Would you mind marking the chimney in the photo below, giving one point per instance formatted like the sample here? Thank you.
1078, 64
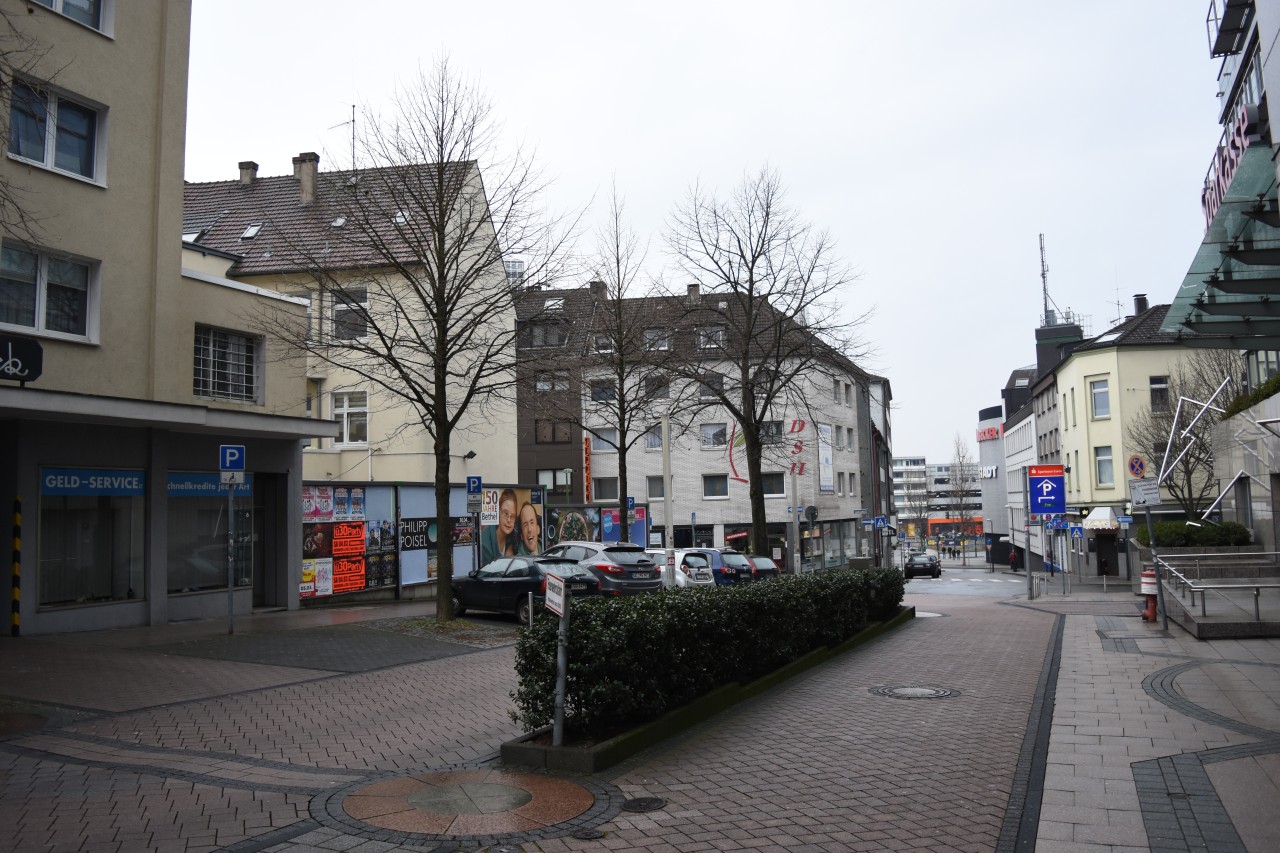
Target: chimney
305, 166
248, 171
597, 289
1140, 303
693, 294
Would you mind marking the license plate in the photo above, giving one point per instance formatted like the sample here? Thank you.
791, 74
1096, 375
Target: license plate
641, 575
577, 587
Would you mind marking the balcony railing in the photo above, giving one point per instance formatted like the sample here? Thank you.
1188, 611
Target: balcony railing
1226, 23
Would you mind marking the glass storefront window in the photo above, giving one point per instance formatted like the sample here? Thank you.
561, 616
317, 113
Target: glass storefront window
90, 538
198, 532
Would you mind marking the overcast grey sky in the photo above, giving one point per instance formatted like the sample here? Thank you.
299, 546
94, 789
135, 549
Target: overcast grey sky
934, 139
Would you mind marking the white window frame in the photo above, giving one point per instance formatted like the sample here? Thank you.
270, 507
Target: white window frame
711, 337
706, 386
91, 306
602, 343
1159, 384
242, 382
653, 437
782, 481
52, 97
596, 489
601, 443
1098, 460
657, 340
648, 484
702, 436
551, 380
606, 388
106, 14
1099, 388
345, 414
708, 477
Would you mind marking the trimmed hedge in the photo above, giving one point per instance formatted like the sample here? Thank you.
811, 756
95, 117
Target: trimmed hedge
634, 658
1247, 401
1178, 534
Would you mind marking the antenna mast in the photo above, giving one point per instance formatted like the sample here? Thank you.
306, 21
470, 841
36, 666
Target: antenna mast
1044, 284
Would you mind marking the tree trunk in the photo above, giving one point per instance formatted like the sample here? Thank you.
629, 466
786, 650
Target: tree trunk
444, 530
759, 543
625, 534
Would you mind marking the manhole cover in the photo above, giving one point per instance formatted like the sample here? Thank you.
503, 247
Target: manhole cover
588, 834
643, 804
915, 692
923, 615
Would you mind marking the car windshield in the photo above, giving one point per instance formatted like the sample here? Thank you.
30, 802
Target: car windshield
736, 561
629, 556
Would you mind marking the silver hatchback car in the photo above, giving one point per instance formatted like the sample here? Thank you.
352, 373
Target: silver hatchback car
692, 568
622, 569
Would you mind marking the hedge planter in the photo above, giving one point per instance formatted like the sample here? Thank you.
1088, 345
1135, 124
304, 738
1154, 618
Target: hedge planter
534, 749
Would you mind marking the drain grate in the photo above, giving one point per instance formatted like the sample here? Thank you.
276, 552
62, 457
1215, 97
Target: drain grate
915, 692
644, 804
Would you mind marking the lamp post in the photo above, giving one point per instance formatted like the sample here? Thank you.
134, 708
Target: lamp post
568, 483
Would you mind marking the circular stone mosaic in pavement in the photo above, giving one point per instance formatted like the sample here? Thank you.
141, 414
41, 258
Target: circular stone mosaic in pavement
468, 802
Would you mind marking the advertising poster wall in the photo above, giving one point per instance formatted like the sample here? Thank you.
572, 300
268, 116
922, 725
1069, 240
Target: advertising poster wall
511, 523
611, 526
593, 524
342, 549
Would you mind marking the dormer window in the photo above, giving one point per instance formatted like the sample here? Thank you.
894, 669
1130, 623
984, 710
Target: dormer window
251, 231
401, 217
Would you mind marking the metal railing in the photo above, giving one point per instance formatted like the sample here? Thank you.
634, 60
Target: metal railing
1185, 585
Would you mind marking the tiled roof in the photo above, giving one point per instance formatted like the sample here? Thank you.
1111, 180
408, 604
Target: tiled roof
294, 236
1139, 330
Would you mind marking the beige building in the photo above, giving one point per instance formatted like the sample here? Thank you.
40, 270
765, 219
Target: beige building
112, 447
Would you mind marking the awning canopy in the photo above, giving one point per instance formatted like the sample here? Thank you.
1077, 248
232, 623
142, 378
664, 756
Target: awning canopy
1101, 518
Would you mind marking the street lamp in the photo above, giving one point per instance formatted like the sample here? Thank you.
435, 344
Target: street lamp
568, 482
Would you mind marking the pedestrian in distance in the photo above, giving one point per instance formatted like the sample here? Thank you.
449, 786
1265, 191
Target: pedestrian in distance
1013, 560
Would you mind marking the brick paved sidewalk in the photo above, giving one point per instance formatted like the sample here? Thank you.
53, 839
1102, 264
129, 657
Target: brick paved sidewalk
1066, 720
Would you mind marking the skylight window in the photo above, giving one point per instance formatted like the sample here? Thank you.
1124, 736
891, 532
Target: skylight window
1109, 336
191, 236
555, 303
251, 231
339, 222
401, 217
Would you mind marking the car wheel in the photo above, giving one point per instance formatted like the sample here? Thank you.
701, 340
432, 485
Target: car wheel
458, 609
522, 610
937, 573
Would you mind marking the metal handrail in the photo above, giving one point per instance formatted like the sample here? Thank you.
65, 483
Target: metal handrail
1184, 585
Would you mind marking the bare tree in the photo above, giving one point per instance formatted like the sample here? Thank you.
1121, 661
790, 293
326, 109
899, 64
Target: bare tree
625, 352
21, 56
772, 312
916, 504
416, 268
1195, 377
964, 483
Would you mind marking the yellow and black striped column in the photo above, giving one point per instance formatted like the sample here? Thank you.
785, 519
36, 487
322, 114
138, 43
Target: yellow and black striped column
16, 626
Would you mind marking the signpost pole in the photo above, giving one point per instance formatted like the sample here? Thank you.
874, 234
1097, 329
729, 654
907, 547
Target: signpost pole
558, 602
668, 501
1026, 530
231, 559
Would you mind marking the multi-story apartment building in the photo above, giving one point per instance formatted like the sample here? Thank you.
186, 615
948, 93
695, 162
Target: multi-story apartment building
911, 495
128, 371
827, 443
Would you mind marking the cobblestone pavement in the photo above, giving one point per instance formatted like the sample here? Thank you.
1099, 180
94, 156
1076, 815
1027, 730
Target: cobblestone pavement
1063, 724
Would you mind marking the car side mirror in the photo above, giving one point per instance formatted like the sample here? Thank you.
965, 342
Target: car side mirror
473, 573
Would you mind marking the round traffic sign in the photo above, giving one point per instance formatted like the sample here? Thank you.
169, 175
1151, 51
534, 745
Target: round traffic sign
1137, 465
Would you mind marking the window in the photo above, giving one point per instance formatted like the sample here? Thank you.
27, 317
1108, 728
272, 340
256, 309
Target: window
350, 314
656, 490
351, 411
835, 390
653, 438
602, 343
715, 435
338, 222
604, 488
1100, 398
657, 339
551, 432
552, 303
251, 230
606, 441
657, 387
226, 365
711, 385
772, 484
715, 485
555, 381
87, 12
840, 483
711, 337
848, 394
771, 432
603, 390
69, 143
1159, 393
548, 334
44, 293
91, 545
1102, 465
555, 480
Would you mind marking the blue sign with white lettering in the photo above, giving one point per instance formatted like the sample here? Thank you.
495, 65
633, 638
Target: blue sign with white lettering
631, 502
92, 481
231, 457
474, 486
195, 484
1048, 495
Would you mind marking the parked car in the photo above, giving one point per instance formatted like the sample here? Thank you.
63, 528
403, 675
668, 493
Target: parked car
763, 568
728, 566
622, 569
504, 585
692, 568
922, 564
